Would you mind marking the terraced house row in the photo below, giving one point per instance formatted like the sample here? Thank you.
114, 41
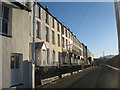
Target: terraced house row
55, 45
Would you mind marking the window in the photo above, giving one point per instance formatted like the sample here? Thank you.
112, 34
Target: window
48, 56
47, 34
53, 37
62, 28
14, 62
53, 23
4, 20
66, 32
69, 45
66, 43
38, 12
38, 31
47, 18
69, 35
63, 45
59, 58
58, 26
80, 53
58, 40
53, 57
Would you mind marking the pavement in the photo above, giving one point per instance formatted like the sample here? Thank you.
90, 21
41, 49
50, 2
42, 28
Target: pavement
95, 77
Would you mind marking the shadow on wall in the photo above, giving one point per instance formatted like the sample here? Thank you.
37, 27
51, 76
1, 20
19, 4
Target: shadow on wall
27, 67
26, 75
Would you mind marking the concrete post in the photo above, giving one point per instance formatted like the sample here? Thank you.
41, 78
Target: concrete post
117, 12
33, 47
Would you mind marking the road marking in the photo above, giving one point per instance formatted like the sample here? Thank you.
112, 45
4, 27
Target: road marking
113, 67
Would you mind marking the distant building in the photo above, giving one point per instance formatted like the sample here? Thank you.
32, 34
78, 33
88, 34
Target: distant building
90, 57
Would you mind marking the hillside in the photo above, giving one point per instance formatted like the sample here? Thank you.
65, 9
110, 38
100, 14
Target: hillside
115, 61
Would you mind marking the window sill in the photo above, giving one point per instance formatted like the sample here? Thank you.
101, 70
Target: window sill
47, 41
38, 37
47, 23
5, 35
38, 17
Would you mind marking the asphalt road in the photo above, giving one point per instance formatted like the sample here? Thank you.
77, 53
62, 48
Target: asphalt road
96, 77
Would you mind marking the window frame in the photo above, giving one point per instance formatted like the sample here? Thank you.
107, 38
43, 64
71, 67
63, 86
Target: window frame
53, 22
38, 30
53, 37
47, 34
66, 32
47, 18
48, 56
54, 57
63, 42
66, 43
59, 40
58, 28
62, 29
8, 32
59, 58
40, 12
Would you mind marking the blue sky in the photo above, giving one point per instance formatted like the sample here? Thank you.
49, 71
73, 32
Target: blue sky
92, 22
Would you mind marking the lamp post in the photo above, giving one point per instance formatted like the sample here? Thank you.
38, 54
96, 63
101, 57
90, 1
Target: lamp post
33, 46
117, 12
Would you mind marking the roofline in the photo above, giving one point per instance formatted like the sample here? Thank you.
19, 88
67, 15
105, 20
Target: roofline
54, 17
59, 22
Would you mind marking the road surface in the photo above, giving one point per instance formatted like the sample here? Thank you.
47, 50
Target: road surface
95, 77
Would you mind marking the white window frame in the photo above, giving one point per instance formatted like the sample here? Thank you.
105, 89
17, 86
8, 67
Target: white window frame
38, 29
1, 19
47, 34
48, 56
59, 40
53, 37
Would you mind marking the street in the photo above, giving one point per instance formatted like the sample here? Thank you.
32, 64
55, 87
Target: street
95, 77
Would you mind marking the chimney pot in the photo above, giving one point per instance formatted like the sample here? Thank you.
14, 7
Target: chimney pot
46, 7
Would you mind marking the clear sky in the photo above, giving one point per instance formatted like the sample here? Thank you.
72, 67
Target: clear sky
92, 22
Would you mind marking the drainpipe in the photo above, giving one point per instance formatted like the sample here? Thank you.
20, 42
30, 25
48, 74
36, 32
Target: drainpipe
33, 47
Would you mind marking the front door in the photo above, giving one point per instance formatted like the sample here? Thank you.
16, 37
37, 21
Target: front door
15, 68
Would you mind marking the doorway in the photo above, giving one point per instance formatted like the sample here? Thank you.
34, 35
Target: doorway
16, 64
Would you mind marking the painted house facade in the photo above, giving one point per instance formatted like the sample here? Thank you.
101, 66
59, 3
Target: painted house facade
15, 36
90, 57
57, 38
48, 32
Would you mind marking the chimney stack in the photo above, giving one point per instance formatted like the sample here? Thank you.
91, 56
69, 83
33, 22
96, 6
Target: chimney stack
46, 7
